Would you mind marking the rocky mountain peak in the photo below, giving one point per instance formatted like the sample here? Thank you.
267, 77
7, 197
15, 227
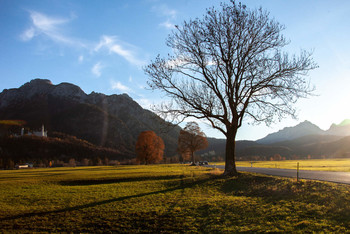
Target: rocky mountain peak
290, 133
106, 120
28, 90
40, 87
306, 128
343, 123
307, 125
342, 129
36, 86
38, 82
68, 90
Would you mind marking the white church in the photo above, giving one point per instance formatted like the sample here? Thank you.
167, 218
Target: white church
41, 133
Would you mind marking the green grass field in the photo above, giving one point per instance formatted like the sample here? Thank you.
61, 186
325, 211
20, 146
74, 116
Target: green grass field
167, 198
310, 164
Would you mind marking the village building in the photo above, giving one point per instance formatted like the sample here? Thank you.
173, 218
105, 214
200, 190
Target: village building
41, 133
24, 166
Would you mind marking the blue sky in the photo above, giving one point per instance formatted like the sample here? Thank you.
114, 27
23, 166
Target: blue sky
102, 46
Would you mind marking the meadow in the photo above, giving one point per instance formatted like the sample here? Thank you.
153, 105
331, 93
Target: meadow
167, 198
340, 164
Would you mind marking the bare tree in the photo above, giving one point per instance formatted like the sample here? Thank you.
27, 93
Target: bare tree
228, 66
191, 139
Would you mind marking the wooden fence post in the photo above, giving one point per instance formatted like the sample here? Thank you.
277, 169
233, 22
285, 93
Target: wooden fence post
297, 171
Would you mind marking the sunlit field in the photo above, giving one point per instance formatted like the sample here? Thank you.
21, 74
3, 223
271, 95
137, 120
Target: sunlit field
167, 198
310, 164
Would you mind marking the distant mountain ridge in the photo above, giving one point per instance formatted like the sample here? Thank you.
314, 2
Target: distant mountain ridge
115, 121
106, 120
304, 129
342, 129
301, 141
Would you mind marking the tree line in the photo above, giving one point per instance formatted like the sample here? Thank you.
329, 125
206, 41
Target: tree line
150, 147
60, 149
65, 150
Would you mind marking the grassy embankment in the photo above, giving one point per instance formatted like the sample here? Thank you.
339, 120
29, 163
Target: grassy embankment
166, 198
310, 164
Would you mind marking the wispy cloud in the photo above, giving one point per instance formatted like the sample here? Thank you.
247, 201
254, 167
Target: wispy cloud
167, 24
164, 11
96, 69
28, 34
51, 27
116, 85
81, 59
144, 102
113, 45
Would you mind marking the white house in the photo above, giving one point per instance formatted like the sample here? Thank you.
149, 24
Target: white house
24, 166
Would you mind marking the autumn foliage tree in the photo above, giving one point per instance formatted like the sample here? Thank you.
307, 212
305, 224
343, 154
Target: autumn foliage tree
191, 139
149, 147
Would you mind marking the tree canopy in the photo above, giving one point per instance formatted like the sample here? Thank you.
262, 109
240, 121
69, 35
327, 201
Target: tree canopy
229, 66
191, 139
149, 147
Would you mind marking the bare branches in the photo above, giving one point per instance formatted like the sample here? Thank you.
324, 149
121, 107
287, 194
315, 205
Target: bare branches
228, 66
228, 63
191, 139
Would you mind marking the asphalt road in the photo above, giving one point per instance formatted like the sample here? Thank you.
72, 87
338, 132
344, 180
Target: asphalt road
337, 177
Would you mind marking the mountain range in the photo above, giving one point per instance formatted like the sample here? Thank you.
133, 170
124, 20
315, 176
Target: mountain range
115, 121
304, 140
306, 128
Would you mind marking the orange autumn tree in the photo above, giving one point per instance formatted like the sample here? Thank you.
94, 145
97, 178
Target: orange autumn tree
191, 139
149, 147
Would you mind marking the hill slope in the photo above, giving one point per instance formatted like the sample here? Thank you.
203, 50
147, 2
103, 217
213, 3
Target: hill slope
112, 121
289, 133
115, 121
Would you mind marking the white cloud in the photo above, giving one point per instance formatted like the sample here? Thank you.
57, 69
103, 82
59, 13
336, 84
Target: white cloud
50, 27
164, 10
119, 86
105, 41
46, 23
96, 69
113, 45
28, 34
179, 61
81, 59
53, 28
167, 24
130, 78
145, 103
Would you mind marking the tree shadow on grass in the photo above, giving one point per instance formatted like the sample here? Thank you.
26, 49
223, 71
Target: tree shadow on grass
116, 180
272, 190
22, 179
268, 188
303, 197
183, 185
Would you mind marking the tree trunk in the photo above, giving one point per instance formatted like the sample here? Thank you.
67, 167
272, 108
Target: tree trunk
193, 162
230, 154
